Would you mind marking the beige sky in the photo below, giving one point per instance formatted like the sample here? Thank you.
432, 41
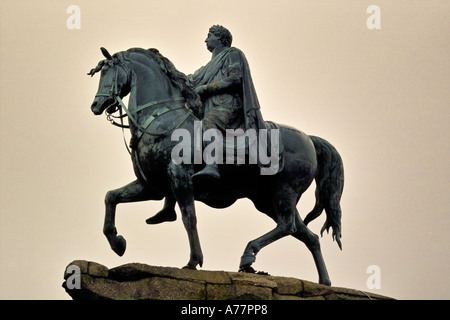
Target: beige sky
381, 97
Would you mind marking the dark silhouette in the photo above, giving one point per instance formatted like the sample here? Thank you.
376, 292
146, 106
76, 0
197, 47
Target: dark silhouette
160, 102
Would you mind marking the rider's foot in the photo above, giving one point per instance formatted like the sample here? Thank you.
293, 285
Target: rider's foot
210, 170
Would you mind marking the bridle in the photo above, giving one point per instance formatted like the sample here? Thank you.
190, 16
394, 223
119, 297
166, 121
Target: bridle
119, 105
113, 94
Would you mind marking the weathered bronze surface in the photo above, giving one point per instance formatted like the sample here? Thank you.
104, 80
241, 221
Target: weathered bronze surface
163, 100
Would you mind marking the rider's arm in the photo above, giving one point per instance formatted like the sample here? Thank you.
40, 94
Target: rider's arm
233, 79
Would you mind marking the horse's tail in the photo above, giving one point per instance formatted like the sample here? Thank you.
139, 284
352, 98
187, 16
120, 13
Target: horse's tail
329, 186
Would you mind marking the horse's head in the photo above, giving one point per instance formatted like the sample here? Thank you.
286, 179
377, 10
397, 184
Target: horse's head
114, 82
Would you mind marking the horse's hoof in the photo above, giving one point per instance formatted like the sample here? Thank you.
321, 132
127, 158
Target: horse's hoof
325, 282
246, 261
119, 245
188, 267
247, 269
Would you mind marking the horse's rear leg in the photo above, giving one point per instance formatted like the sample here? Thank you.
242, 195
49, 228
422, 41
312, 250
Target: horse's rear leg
133, 192
311, 241
285, 218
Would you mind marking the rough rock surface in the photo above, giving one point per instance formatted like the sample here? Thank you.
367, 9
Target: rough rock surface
86, 280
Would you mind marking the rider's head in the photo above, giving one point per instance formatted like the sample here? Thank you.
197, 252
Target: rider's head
223, 34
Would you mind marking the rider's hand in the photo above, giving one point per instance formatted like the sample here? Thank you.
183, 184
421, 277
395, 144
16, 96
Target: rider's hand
200, 90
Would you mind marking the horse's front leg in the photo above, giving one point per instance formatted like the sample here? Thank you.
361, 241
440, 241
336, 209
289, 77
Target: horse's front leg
133, 192
182, 187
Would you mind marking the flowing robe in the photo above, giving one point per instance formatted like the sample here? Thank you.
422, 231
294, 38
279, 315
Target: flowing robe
230, 100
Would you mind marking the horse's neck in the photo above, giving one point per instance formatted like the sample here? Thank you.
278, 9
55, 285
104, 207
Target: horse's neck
150, 84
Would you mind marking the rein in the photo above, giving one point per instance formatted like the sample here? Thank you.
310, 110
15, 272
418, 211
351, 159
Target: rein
142, 130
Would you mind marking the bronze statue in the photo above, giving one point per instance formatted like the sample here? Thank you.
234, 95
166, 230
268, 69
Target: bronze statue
163, 102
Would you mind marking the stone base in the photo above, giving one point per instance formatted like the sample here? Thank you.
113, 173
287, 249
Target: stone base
85, 280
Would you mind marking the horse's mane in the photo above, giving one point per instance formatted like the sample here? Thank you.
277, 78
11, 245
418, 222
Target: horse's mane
177, 78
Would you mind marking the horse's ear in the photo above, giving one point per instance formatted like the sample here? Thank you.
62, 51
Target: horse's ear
106, 53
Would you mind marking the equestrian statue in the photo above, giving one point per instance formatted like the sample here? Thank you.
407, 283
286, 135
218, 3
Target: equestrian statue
177, 124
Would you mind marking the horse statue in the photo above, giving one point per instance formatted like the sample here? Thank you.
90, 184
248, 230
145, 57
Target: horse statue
160, 102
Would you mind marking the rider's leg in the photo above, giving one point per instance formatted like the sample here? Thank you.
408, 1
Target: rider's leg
211, 169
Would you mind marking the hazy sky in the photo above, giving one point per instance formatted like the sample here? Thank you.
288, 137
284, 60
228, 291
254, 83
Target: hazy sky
380, 96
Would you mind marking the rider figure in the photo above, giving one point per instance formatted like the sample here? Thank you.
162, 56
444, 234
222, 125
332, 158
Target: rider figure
226, 89
228, 96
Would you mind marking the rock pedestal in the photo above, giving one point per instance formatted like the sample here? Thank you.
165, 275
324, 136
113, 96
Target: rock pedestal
86, 280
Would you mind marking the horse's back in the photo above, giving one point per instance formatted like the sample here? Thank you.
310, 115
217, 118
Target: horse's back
298, 145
